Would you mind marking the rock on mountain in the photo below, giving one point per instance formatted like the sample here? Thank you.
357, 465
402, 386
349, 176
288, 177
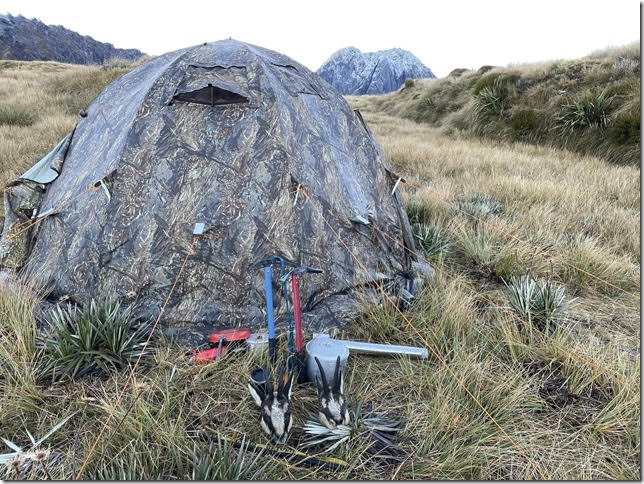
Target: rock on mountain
30, 39
353, 72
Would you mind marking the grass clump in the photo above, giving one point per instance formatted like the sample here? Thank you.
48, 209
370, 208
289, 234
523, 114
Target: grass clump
492, 99
417, 211
626, 65
538, 303
487, 256
524, 122
16, 115
103, 336
589, 266
433, 240
584, 111
20, 360
472, 81
626, 130
458, 72
480, 205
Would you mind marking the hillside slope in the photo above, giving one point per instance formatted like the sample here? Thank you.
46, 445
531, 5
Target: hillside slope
30, 39
590, 105
353, 72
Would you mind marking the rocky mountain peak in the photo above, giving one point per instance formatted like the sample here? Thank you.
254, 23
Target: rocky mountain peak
351, 71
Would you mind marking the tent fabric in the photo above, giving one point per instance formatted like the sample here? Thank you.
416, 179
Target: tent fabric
236, 168
49, 167
22, 200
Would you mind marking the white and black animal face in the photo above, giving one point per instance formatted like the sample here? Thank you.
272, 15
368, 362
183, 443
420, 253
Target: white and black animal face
275, 418
333, 409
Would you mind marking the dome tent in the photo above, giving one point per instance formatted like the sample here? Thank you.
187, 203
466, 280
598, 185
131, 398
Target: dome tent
224, 133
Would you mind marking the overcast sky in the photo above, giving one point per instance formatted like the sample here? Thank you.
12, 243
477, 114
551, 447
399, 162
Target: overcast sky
443, 35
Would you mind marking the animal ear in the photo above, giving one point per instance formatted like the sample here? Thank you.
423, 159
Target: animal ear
325, 384
256, 392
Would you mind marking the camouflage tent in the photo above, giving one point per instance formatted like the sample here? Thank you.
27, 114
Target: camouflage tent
231, 135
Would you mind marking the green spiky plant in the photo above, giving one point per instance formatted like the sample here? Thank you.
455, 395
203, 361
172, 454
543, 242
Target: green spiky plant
103, 336
584, 111
218, 461
492, 99
540, 303
480, 205
374, 431
433, 240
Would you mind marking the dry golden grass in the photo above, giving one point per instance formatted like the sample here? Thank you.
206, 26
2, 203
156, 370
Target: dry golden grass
565, 403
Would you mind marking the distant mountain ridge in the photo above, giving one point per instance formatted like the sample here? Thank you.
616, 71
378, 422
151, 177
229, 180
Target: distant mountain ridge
351, 71
30, 39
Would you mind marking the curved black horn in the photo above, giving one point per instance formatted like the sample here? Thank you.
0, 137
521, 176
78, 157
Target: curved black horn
325, 385
282, 378
336, 377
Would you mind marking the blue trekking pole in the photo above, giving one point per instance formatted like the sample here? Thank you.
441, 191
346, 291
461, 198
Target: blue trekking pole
268, 289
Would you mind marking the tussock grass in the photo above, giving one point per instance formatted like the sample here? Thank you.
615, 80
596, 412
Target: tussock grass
20, 360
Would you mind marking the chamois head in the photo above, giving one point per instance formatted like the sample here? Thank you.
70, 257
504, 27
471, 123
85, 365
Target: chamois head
333, 406
275, 410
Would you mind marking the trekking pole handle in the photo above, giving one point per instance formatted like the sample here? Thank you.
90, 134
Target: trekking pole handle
300, 270
274, 259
